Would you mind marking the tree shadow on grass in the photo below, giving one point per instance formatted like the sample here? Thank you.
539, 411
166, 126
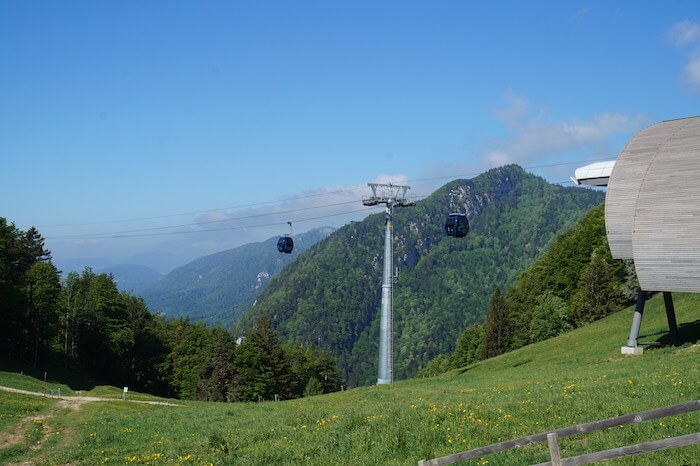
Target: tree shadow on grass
54, 368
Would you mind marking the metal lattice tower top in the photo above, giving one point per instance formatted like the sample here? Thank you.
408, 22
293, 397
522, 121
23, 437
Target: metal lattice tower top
389, 194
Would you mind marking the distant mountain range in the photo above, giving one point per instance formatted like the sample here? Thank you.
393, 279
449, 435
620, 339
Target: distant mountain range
159, 261
132, 278
218, 288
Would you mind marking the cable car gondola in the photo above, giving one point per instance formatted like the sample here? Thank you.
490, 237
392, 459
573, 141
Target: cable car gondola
285, 244
457, 225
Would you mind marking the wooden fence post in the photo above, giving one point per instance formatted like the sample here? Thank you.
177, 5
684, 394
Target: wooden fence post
554, 449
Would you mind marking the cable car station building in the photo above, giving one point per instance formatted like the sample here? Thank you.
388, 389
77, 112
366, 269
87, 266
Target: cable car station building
652, 213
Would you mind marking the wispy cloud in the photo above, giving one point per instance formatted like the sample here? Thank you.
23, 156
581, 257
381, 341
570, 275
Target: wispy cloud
691, 74
532, 137
515, 112
687, 33
398, 179
581, 14
684, 33
327, 206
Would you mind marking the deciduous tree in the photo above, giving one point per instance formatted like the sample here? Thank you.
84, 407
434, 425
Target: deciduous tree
468, 348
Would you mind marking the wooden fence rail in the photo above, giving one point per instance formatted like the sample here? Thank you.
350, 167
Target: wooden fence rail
657, 413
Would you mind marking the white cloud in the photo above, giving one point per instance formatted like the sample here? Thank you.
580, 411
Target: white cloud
436, 173
515, 112
213, 217
496, 158
329, 206
684, 32
688, 33
393, 179
691, 74
535, 137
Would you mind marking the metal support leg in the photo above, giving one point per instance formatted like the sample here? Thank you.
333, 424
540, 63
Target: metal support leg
632, 347
637, 319
671, 316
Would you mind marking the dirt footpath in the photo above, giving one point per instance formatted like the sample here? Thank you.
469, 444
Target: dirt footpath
16, 434
82, 399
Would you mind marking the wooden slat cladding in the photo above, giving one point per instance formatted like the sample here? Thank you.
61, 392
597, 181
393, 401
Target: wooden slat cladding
652, 207
666, 235
625, 180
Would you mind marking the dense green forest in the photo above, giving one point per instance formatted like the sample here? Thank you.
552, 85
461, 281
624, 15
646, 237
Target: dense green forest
330, 297
574, 282
112, 336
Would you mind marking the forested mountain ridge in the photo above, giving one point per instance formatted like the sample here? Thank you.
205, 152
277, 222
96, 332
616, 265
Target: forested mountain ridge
330, 297
573, 283
218, 288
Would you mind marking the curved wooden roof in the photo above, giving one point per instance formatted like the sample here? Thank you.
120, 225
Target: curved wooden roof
652, 207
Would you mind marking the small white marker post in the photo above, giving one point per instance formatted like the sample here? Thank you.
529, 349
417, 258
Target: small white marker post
126, 389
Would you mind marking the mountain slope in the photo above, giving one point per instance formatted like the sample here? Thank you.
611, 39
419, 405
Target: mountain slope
133, 278
541, 300
330, 297
217, 288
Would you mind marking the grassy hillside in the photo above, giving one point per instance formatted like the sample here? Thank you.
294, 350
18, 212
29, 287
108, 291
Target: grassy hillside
575, 378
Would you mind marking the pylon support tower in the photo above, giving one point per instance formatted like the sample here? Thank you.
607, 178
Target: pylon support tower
392, 196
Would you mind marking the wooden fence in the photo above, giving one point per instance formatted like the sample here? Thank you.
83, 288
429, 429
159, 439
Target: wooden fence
552, 437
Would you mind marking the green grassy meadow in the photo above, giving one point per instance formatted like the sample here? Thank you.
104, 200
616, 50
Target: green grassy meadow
576, 378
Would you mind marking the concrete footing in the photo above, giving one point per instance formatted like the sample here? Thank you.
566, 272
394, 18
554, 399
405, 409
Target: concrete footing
633, 350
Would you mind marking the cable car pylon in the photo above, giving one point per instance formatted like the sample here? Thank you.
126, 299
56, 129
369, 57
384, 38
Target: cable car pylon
392, 196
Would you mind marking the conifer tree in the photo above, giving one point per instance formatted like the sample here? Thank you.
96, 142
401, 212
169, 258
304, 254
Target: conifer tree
43, 289
595, 296
497, 328
262, 368
10, 293
22, 332
217, 375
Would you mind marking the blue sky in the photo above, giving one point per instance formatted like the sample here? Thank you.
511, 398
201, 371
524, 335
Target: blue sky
126, 125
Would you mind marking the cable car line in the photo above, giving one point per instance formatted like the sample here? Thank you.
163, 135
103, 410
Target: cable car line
185, 232
241, 206
307, 196
109, 234
127, 233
